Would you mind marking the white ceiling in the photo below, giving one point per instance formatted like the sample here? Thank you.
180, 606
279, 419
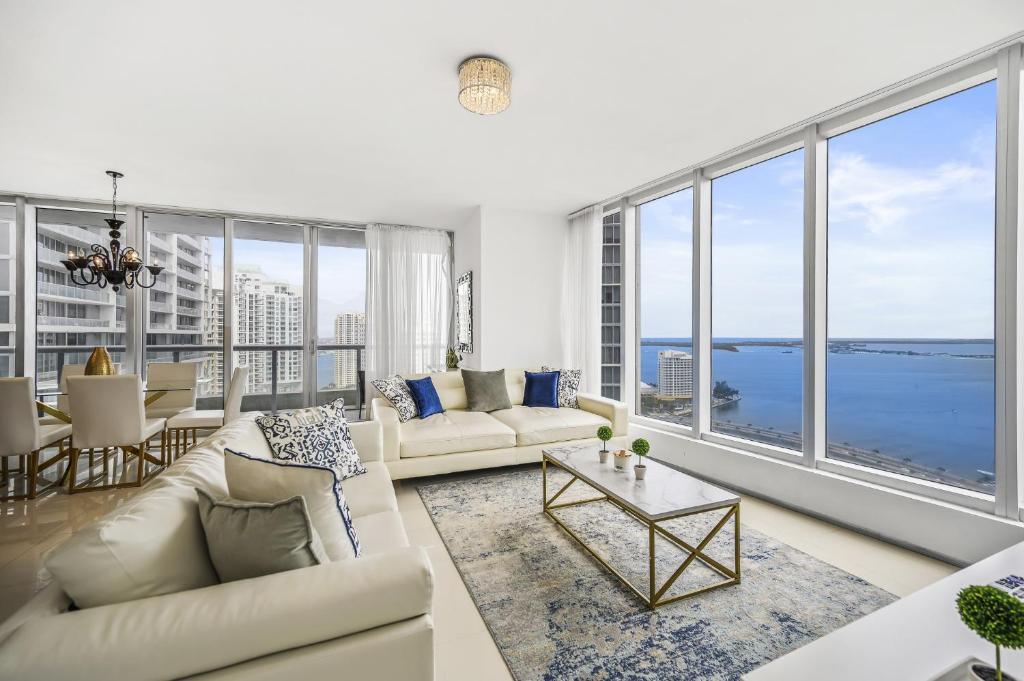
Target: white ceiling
348, 110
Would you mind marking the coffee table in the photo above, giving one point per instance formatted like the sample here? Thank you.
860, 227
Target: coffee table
665, 494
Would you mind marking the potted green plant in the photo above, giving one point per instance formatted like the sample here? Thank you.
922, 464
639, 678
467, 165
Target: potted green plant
641, 448
997, 617
604, 433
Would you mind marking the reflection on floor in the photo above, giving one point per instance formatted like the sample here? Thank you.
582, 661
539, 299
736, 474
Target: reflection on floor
463, 647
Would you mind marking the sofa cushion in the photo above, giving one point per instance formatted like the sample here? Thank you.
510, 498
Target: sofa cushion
150, 545
381, 532
486, 390
249, 539
371, 492
318, 436
539, 425
270, 480
454, 431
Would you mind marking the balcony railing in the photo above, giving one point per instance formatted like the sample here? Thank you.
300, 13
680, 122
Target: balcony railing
276, 394
76, 322
46, 288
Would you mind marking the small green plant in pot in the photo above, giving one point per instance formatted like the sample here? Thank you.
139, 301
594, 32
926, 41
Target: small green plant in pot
604, 433
997, 617
641, 448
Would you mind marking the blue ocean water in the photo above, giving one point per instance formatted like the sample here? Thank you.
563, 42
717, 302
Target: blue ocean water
936, 406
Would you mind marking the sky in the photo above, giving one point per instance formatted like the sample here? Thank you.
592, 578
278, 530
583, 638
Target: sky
911, 210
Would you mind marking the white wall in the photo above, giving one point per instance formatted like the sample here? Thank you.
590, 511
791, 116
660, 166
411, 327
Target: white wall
467, 259
516, 259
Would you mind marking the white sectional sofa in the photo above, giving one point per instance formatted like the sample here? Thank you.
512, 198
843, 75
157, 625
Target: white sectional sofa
459, 440
363, 618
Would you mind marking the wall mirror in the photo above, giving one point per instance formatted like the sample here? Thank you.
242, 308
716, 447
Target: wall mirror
464, 312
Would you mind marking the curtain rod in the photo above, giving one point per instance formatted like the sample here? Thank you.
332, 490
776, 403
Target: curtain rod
962, 60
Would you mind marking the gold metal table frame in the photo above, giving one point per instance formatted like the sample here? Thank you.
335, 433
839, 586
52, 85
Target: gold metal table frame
656, 595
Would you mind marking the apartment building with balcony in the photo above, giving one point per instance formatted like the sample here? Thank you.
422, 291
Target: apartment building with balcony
349, 329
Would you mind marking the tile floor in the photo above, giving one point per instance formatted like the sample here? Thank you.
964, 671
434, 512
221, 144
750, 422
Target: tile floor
463, 646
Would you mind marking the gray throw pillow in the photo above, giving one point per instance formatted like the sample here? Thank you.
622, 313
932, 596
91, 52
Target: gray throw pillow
486, 390
251, 539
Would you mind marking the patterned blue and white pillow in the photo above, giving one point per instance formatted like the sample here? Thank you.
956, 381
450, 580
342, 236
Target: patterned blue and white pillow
568, 386
395, 390
318, 436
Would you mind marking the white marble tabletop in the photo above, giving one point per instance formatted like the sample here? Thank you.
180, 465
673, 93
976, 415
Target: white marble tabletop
665, 492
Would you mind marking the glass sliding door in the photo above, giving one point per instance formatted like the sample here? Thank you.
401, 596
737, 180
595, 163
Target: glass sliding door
184, 311
341, 314
71, 320
269, 270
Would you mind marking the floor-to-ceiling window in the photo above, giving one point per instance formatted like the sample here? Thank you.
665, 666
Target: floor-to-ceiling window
757, 302
665, 263
911, 205
341, 313
269, 270
71, 320
8, 272
184, 310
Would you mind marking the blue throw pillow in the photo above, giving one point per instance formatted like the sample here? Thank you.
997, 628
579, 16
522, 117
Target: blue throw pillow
541, 389
425, 396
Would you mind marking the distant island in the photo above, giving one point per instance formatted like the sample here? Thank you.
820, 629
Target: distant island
841, 346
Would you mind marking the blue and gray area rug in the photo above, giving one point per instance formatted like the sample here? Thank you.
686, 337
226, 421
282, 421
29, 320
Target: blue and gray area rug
555, 613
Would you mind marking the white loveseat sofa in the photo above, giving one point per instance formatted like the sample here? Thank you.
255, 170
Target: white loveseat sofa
459, 440
363, 618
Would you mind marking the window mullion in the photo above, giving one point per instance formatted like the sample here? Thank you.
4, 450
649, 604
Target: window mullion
815, 318
1006, 319
701, 326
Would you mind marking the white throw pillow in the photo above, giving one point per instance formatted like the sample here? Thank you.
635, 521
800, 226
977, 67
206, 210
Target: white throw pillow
395, 389
152, 544
568, 386
272, 480
317, 435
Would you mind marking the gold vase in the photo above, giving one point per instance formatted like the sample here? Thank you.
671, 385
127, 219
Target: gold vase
99, 363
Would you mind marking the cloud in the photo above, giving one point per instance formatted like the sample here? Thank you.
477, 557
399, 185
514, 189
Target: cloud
882, 197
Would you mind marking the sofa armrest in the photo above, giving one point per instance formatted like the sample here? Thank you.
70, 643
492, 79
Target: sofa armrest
368, 437
381, 410
613, 410
195, 631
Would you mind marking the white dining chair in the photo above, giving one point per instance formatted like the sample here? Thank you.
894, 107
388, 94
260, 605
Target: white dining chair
62, 386
176, 375
25, 437
181, 427
109, 413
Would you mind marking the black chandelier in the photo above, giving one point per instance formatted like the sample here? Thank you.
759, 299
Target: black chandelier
116, 266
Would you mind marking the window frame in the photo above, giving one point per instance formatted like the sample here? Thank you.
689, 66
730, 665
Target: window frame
1002, 63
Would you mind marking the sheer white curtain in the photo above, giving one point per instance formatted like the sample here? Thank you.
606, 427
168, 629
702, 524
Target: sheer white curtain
581, 297
408, 299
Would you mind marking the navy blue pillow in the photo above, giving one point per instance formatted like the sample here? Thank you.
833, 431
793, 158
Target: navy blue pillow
425, 396
541, 389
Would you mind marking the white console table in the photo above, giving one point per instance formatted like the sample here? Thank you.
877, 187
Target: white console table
917, 637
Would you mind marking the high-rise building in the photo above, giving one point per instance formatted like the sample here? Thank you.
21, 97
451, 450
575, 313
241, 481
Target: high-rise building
178, 307
268, 313
349, 329
675, 374
8, 272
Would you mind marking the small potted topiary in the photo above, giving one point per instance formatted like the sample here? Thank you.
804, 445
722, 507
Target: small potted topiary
641, 448
997, 617
604, 433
